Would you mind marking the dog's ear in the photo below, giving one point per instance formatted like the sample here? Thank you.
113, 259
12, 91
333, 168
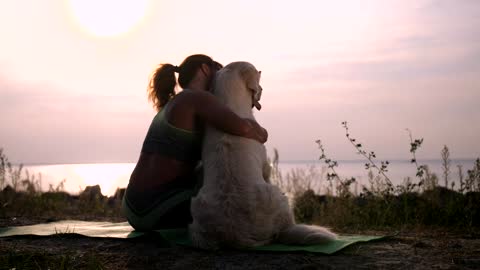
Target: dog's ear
253, 84
252, 78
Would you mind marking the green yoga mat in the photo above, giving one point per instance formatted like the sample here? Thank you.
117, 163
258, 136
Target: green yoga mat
177, 236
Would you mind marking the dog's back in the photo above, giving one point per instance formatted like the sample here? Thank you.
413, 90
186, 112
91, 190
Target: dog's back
231, 207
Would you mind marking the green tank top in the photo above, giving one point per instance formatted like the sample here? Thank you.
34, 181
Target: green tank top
164, 138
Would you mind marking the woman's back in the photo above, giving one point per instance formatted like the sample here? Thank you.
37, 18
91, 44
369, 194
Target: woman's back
172, 145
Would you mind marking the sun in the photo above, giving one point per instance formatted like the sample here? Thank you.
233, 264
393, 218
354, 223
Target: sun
106, 18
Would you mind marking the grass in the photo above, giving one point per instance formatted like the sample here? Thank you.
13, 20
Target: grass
44, 260
21, 195
417, 203
435, 208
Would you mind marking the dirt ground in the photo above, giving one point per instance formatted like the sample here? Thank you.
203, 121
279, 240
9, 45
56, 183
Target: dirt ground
407, 250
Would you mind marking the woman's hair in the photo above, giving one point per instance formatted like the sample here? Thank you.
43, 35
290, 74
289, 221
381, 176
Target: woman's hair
162, 83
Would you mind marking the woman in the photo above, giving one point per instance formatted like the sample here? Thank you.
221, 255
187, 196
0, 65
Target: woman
164, 180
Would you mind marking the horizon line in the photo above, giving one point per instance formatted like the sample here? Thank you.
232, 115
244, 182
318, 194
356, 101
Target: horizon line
280, 161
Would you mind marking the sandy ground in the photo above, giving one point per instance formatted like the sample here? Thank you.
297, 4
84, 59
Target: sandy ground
407, 250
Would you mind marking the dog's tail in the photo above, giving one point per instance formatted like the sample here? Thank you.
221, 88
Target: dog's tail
301, 234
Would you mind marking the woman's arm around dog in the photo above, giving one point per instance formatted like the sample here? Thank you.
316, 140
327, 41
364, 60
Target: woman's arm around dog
219, 116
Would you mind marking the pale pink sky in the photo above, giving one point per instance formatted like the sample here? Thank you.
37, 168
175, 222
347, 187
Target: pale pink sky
67, 96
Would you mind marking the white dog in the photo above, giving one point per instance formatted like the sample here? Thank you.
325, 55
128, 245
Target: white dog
237, 206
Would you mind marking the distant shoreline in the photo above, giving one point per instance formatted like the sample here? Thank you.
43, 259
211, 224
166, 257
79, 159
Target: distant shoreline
299, 161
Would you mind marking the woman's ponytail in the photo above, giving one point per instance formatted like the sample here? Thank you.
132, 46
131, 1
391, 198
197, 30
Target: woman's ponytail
162, 85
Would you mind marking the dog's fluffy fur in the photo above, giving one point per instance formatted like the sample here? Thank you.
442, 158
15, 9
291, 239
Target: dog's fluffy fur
237, 206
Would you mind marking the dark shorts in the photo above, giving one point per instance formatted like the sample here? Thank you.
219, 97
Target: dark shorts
166, 209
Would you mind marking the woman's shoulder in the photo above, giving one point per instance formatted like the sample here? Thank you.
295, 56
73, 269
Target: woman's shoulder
190, 99
191, 92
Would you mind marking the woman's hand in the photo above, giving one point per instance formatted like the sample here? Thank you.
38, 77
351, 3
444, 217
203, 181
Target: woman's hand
256, 132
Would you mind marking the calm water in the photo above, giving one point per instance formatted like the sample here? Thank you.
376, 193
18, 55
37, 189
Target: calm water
112, 175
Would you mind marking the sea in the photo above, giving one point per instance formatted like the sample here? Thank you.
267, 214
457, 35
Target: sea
73, 178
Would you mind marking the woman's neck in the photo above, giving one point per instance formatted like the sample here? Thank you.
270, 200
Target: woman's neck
197, 85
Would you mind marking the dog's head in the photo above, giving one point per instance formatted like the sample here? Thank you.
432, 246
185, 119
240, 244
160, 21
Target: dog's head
244, 74
252, 79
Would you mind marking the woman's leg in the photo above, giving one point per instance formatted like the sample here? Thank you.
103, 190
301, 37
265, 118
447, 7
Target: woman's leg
177, 217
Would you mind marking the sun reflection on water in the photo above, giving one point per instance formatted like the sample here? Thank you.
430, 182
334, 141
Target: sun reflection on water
108, 176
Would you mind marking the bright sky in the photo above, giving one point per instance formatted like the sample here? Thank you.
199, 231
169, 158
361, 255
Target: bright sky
73, 73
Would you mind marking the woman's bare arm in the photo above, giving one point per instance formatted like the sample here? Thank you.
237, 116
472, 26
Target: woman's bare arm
209, 108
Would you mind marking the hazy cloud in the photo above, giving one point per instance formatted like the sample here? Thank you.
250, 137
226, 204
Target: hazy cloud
47, 125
